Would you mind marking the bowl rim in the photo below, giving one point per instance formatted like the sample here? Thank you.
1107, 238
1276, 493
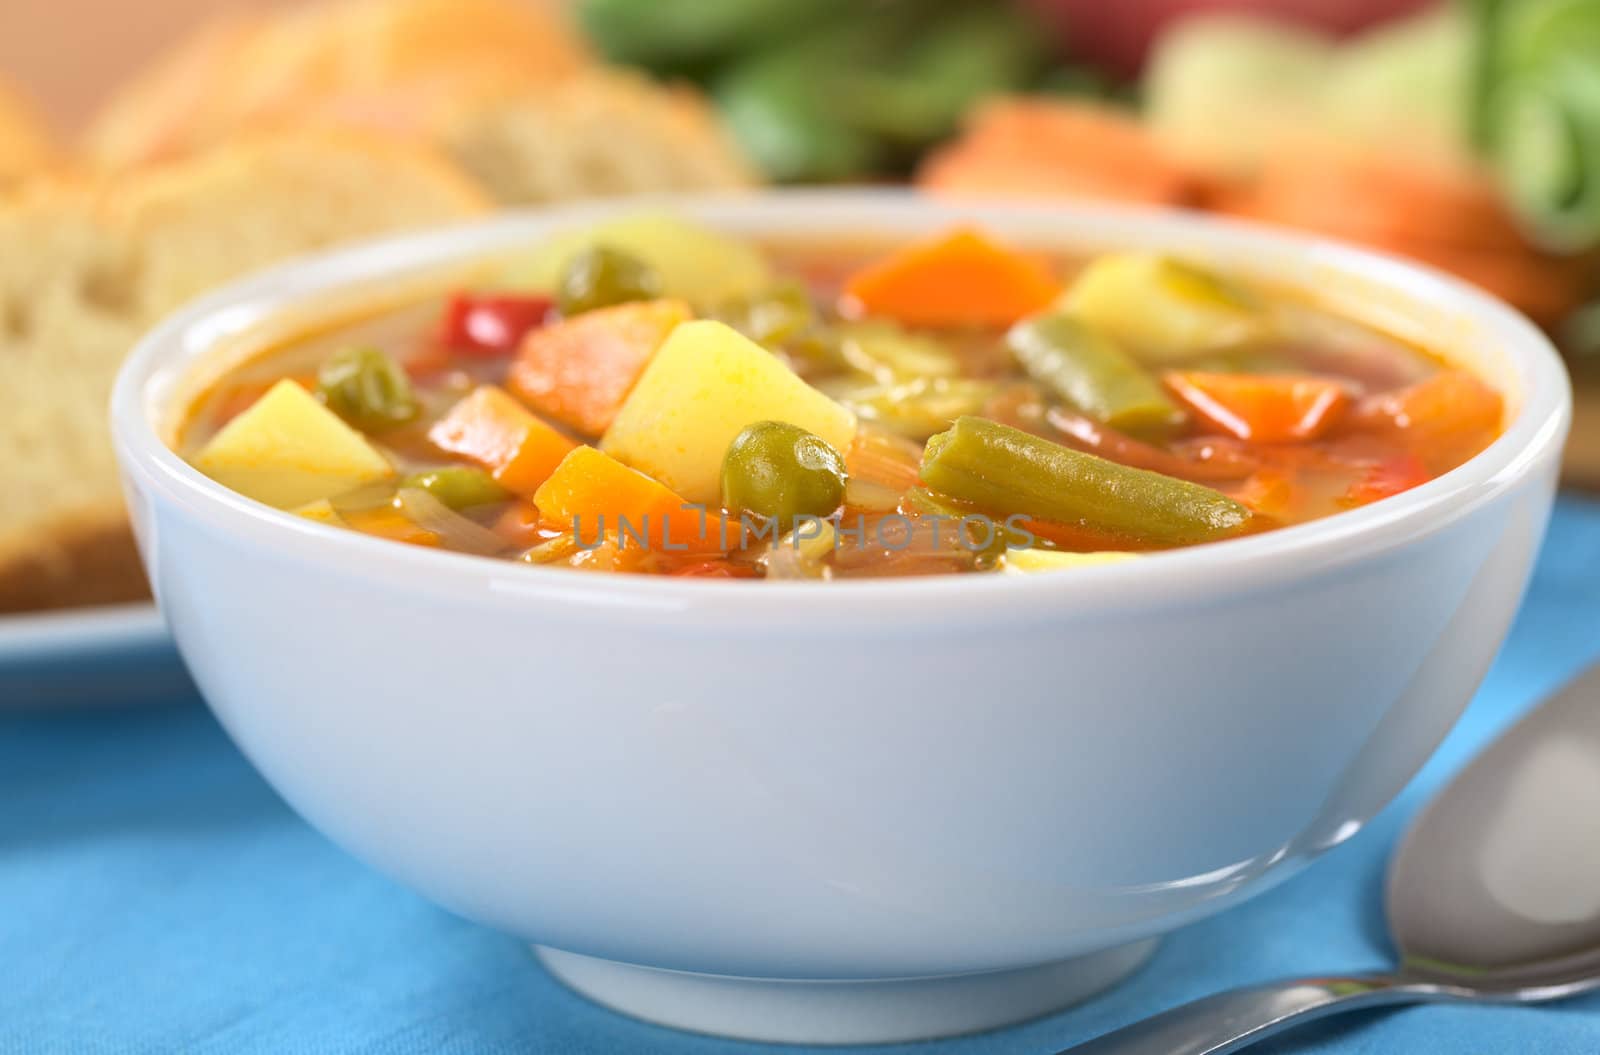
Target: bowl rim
171, 350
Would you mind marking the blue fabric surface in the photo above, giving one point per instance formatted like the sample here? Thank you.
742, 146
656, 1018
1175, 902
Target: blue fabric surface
156, 896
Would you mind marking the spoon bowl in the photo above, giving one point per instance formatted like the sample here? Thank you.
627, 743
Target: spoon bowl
1493, 896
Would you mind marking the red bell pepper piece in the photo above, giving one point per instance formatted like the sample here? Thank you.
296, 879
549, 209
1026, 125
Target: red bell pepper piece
491, 323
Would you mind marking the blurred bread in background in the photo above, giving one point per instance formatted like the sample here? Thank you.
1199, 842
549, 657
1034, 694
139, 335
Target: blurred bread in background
259, 136
105, 257
379, 63
502, 86
26, 145
603, 132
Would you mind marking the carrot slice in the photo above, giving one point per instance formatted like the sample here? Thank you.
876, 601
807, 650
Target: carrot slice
1443, 420
1262, 408
960, 279
1270, 492
1375, 196
1034, 148
388, 522
596, 497
578, 371
497, 432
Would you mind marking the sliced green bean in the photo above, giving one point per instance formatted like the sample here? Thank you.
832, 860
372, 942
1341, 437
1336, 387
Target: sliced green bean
914, 409
458, 486
1092, 372
771, 316
1004, 471
888, 352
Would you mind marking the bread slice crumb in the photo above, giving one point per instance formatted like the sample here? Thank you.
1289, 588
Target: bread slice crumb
88, 265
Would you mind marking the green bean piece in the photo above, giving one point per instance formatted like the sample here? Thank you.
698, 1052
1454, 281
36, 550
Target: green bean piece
770, 317
1093, 373
367, 388
913, 409
1004, 471
458, 486
782, 472
888, 352
600, 276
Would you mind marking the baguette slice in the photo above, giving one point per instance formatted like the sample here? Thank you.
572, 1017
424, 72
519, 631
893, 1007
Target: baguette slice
359, 58
86, 267
604, 132
499, 85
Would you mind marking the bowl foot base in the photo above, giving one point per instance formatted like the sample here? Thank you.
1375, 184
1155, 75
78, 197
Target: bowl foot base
843, 1012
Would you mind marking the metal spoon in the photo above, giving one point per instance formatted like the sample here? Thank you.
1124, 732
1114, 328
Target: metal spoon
1494, 895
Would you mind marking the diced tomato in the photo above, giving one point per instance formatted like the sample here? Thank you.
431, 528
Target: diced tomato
519, 524
1219, 462
1389, 477
491, 323
1263, 408
1443, 420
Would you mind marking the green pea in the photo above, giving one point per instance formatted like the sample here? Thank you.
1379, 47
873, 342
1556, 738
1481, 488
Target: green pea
780, 471
600, 276
458, 486
367, 388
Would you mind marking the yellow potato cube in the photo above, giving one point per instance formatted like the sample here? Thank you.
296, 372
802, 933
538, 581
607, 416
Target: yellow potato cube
322, 512
705, 384
1027, 561
696, 263
288, 450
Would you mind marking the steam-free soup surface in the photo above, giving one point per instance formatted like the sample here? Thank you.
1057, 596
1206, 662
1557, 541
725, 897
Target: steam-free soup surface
651, 397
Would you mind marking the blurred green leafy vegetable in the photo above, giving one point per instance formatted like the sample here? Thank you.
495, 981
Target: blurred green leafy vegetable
1536, 111
824, 90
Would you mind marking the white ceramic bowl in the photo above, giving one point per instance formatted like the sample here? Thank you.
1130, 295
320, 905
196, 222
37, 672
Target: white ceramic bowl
982, 795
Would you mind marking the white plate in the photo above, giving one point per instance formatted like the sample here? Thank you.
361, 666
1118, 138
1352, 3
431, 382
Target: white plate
111, 656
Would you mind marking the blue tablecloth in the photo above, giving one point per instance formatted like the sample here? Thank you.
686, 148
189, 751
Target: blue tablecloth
156, 896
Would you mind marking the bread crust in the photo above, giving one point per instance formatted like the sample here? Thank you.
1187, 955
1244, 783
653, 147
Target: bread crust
81, 557
100, 259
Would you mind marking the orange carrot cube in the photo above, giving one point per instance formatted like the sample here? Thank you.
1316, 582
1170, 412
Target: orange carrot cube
596, 497
960, 279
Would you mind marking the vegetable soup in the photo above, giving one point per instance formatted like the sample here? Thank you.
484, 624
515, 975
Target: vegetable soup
648, 396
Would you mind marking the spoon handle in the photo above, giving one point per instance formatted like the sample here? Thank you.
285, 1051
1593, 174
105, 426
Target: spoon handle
1228, 1021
